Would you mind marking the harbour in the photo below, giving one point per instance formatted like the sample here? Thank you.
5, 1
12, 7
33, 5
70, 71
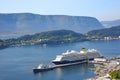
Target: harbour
105, 67
38, 70
102, 71
70, 58
21, 60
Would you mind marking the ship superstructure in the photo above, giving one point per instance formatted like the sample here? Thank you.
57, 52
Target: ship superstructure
72, 57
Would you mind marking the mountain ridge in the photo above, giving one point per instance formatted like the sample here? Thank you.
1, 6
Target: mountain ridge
109, 24
62, 36
48, 37
29, 23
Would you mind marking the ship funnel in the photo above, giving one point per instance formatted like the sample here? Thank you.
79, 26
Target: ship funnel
83, 50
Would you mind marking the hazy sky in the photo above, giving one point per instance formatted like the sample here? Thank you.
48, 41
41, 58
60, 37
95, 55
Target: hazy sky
101, 9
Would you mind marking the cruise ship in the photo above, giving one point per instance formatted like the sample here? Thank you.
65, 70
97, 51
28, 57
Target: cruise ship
75, 57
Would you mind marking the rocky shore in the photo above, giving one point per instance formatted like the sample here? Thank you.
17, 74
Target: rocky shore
103, 69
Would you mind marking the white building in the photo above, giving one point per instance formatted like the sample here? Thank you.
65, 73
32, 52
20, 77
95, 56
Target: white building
119, 37
107, 38
100, 59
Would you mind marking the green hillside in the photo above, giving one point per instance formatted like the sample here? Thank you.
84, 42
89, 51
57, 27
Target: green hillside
112, 32
56, 36
48, 37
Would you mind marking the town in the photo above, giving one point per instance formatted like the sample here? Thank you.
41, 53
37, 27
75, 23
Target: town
106, 68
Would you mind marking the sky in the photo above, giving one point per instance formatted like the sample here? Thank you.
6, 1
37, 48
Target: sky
103, 10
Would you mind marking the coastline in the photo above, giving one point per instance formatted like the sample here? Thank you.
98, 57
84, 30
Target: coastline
104, 70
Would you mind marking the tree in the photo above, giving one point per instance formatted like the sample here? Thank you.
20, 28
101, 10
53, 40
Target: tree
115, 74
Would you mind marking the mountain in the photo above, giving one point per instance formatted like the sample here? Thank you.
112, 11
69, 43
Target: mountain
48, 37
109, 24
55, 36
27, 23
112, 32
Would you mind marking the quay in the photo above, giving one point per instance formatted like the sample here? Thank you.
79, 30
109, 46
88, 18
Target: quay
105, 67
51, 67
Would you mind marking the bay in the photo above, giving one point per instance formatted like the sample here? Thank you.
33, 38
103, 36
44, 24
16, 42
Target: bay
16, 63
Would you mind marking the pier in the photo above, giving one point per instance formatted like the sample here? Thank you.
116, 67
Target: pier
37, 70
105, 67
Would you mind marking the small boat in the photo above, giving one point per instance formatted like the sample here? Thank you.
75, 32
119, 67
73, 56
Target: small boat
42, 68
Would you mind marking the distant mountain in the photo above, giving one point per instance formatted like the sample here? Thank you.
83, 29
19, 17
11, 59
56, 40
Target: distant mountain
112, 32
109, 24
27, 23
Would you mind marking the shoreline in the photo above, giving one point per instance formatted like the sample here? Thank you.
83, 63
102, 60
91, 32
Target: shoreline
103, 70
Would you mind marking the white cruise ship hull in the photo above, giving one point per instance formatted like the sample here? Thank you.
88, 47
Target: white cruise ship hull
71, 57
71, 62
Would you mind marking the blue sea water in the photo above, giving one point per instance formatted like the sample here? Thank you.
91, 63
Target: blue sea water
16, 63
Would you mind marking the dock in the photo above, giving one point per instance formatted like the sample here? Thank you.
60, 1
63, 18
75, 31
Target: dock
106, 66
37, 70
63, 65
94, 62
